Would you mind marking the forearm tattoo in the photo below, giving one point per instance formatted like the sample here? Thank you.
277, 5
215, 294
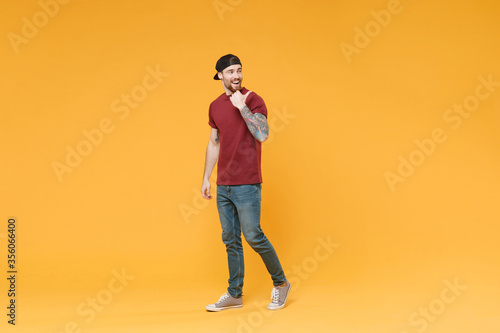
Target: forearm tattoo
256, 123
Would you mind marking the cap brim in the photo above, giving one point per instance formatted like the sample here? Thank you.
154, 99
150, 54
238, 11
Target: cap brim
216, 77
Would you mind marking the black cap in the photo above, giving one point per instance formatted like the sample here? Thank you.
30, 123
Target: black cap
224, 62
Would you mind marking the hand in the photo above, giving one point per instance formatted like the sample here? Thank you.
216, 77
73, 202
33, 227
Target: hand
238, 99
205, 190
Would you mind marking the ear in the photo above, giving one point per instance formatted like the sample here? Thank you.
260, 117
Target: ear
220, 75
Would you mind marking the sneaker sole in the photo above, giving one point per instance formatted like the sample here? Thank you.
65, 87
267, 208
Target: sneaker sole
224, 308
284, 303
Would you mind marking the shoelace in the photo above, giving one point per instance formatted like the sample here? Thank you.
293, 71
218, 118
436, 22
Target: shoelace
223, 298
275, 295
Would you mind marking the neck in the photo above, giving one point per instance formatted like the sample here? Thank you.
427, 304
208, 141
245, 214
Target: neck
228, 92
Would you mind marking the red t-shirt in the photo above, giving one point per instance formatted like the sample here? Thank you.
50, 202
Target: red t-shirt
239, 154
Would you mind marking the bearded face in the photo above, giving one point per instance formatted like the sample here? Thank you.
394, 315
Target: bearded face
231, 78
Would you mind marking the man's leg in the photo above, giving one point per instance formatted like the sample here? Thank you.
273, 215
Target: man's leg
247, 199
231, 236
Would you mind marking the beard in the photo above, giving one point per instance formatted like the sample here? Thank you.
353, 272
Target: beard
233, 88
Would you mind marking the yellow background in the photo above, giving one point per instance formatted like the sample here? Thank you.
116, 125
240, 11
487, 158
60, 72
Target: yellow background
133, 202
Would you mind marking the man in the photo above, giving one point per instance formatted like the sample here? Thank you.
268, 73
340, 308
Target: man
238, 119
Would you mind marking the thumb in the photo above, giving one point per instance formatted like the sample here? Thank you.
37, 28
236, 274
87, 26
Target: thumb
246, 95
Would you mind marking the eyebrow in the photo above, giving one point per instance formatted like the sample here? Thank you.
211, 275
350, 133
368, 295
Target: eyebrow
230, 70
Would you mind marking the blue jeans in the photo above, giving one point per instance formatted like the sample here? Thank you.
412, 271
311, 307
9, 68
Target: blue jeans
239, 210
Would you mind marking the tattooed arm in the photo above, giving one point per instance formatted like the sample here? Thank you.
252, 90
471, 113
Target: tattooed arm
256, 122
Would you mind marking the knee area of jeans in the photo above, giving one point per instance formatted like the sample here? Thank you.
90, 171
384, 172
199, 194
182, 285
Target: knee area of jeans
255, 238
230, 239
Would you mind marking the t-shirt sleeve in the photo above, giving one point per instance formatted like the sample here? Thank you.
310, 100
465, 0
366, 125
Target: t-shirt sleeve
211, 121
257, 105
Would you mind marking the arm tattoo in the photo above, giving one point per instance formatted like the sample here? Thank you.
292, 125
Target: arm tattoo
256, 123
217, 140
